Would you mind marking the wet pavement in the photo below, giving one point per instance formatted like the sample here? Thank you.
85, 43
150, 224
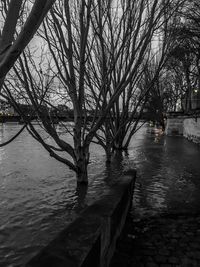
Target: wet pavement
165, 241
163, 227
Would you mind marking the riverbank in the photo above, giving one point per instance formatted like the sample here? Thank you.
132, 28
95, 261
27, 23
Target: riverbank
161, 241
90, 240
162, 229
36, 205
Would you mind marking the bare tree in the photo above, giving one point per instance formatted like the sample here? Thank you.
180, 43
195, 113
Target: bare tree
10, 46
123, 51
98, 49
67, 38
175, 85
185, 53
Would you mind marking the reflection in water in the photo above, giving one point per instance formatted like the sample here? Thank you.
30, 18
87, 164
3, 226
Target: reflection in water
168, 171
39, 197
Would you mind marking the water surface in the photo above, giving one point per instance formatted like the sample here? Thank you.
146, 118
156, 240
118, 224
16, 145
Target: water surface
39, 196
168, 174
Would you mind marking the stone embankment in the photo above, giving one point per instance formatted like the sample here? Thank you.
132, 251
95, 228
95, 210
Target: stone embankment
191, 129
90, 240
188, 126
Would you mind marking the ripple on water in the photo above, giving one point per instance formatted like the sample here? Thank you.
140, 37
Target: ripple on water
39, 196
167, 176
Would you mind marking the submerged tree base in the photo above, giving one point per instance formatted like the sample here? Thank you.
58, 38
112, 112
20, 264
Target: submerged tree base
82, 182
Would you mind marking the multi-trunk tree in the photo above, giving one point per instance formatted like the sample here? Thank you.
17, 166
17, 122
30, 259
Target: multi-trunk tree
96, 51
133, 45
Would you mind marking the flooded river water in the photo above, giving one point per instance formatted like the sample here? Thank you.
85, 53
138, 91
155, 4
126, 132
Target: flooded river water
39, 197
168, 175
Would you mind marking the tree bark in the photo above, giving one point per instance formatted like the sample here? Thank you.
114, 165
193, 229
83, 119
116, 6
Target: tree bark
81, 162
189, 90
38, 12
118, 143
108, 154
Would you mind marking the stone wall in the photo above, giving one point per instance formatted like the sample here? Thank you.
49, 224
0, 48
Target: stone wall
188, 126
191, 129
90, 240
174, 125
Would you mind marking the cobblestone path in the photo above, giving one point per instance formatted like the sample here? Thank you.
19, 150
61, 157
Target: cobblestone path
166, 241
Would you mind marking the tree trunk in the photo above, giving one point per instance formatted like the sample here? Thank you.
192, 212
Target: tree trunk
189, 91
81, 162
118, 144
108, 154
162, 122
198, 92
